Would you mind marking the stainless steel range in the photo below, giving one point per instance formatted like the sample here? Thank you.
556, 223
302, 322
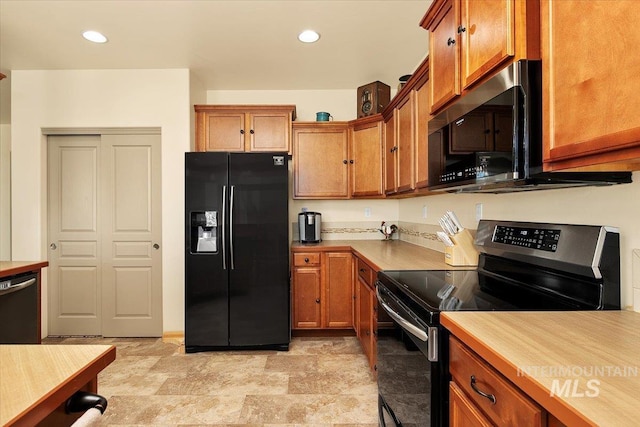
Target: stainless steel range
522, 266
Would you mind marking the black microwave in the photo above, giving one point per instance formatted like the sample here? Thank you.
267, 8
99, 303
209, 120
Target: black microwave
490, 140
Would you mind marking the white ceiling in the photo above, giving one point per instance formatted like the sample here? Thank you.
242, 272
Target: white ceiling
232, 45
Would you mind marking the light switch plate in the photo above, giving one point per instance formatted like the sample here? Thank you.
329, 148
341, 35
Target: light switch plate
635, 268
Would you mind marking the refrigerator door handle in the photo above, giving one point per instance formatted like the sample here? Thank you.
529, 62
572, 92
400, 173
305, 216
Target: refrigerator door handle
233, 187
224, 219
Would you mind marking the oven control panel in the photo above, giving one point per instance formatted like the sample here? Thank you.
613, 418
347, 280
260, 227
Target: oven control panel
534, 238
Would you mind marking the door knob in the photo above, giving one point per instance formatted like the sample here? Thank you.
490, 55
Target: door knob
156, 246
53, 246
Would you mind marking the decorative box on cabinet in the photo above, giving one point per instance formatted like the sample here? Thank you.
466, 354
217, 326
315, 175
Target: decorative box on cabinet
251, 128
590, 118
471, 39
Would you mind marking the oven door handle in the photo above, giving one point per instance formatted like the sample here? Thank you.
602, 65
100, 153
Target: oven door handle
408, 326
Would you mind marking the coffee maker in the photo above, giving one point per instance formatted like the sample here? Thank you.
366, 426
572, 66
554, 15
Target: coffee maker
310, 226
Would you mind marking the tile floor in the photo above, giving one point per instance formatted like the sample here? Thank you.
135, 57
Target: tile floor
318, 382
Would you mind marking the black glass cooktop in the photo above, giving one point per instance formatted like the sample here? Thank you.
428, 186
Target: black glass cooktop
457, 290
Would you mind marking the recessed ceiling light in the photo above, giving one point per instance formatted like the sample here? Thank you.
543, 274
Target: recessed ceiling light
308, 36
94, 36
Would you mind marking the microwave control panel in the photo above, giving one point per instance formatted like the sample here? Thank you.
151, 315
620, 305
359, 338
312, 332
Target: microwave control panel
534, 238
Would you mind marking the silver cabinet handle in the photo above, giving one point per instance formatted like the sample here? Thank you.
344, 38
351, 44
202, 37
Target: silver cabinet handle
224, 220
475, 388
156, 246
233, 188
53, 246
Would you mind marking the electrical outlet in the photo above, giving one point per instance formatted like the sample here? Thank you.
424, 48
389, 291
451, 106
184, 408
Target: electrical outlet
424, 211
478, 211
367, 212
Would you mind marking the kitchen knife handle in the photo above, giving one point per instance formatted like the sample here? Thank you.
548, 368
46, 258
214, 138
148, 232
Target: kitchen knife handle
224, 220
233, 187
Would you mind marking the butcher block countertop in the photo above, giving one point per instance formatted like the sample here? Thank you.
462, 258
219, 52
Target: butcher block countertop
385, 255
36, 379
11, 268
596, 352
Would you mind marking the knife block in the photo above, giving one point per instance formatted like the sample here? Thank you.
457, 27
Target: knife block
463, 253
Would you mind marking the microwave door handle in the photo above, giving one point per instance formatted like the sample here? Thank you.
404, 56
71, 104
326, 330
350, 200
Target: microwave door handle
412, 329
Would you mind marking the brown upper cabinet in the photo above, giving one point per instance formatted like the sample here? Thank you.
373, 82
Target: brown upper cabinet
470, 39
250, 128
590, 85
337, 160
365, 158
406, 149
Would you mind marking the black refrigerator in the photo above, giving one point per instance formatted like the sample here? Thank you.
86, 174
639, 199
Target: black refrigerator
237, 251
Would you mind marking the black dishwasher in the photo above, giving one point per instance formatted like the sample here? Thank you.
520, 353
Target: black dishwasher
19, 309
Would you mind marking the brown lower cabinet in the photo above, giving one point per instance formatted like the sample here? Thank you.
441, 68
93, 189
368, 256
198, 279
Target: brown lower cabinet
481, 396
335, 291
322, 296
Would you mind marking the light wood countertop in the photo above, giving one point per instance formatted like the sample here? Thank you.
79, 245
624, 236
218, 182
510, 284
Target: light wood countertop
385, 255
36, 379
10, 268
597, 352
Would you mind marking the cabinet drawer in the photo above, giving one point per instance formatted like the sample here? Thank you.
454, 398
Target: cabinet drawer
365, 272
511, 407
304, 259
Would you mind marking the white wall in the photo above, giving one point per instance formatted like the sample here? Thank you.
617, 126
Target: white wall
100, 98
616, 206
5, 192
341, 104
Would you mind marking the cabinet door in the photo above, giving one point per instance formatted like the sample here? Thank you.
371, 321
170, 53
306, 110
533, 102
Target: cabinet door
462, 412
487, 32
405, 123
590, 87
269, 131
365, 330
338, 301
444, 54
320, 165
306, 298
223, 131
366, 160
421, 143
390, 156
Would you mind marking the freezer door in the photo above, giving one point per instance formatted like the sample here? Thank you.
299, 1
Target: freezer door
206, 280
259, 249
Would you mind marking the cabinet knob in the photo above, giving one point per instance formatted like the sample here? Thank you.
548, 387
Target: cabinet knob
362, 270
306, 260
344, 161
487, 131
461, 29
497, 131
317, 300
241, 131
251, 132
450, 41
351, 161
